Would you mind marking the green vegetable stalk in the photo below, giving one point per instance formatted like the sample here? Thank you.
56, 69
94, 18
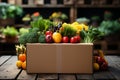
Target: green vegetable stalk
91, 35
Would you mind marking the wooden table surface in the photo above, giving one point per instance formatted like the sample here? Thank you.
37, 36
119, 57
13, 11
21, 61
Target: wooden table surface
9, 71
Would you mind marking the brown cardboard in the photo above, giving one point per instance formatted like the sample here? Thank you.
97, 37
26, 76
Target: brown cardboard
60, 58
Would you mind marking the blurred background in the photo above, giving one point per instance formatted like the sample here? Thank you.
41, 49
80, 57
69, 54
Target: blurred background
16, 15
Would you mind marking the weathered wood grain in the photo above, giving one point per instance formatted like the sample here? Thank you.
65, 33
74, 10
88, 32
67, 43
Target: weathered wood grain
3, 59
25, 76
9, 70
67, 77
114, 58
103, 75
107, 75
47, 77
114, 67
84, 77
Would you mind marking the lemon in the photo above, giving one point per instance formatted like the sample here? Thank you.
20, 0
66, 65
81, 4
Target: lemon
19, 63
96, 66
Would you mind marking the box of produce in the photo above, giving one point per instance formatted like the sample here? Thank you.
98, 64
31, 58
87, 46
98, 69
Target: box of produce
59, 58
59, 48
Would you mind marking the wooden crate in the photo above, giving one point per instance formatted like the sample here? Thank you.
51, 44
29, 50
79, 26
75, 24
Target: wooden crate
30, 2
95, 2
100, 2
11, 1
19, 2
68, 2
53, 2
80, 1
108, 47
116, 2
37, 2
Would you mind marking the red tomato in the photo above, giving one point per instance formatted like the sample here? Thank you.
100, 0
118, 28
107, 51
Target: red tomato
48, 33
65, 39
73, 40
77, 38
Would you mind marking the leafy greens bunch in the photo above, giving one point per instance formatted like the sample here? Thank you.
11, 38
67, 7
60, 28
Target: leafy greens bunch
91, 35
37, 26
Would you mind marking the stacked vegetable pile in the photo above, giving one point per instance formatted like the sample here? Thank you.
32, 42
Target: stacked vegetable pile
100, 63
45, 31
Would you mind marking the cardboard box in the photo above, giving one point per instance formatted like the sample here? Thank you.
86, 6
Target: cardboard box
60, 58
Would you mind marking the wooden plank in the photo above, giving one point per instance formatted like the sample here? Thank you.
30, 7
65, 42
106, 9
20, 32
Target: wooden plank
67, 77
3, 59
73, 14
84, 77
114, 58
108, 59
9, 70
114, 68
47, 77
114, 71
25, 76
103, 75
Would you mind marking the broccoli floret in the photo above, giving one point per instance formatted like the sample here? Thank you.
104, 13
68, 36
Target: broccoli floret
31, 37
41, 38
22, 39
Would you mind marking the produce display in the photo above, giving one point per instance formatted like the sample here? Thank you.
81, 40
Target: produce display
58, 16
10, 31
10, 11
21, 54
100, 63
109, 25
45, 31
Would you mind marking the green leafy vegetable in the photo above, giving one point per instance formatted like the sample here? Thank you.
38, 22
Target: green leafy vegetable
31, 37
23, 30
42, 24
91, 35
10, 11
109, 27
10, 31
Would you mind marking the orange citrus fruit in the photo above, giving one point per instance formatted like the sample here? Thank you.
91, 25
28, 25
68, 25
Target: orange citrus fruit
19, 63
96, 66
24, 65
22, 57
